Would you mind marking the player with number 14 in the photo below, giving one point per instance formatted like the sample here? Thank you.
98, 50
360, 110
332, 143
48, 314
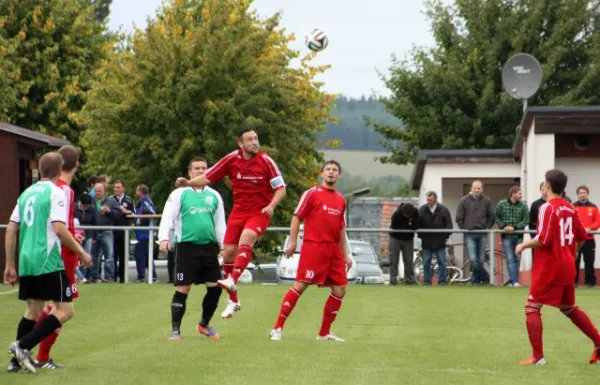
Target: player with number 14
559, 235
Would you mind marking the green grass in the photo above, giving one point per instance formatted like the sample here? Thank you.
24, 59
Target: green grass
409, 335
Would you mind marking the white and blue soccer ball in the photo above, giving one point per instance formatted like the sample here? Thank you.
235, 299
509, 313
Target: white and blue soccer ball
316, 40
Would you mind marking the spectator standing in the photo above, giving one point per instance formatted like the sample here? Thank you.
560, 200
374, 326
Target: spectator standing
512, 214
87, 215
144, 206
406, 217
434, 215
126, 208
108, 212
475, 213
590, 217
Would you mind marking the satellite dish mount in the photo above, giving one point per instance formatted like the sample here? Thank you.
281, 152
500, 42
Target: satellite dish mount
522, 77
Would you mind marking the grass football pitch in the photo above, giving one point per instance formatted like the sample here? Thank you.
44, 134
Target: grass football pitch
408, 335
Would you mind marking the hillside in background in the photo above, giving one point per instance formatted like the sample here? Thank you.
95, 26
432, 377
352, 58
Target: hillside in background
351, 130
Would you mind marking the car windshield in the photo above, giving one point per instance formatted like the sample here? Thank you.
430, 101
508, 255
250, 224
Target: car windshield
363, 253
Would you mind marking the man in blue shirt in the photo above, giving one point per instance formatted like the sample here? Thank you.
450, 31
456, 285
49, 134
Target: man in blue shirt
144, 206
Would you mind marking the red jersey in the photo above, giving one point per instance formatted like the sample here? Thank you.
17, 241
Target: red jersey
559, 230
252, 180
66, 253
322, 211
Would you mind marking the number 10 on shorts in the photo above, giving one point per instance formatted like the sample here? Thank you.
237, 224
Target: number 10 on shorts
309, 274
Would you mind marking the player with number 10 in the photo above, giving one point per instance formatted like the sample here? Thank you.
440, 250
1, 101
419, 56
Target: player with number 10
560, 234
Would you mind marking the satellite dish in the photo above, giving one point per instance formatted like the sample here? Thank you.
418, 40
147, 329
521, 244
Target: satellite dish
522, 77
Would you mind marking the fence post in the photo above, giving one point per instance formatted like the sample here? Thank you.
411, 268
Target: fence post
150, 251
126, 267
492, 241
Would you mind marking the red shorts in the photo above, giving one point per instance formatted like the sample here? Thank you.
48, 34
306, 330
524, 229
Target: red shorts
238, 222
552, 295
71, 262
321, 264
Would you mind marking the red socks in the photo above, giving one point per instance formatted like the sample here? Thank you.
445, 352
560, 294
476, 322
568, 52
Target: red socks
227, 270
332, 307
535, 330
242, 259
46, 344
289, 301
582, 321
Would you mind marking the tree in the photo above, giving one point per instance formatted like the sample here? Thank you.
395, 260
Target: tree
102, 9
49, 52
451, 96
183, 87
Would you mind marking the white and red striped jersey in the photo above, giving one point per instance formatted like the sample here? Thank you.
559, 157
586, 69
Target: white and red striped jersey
252, 180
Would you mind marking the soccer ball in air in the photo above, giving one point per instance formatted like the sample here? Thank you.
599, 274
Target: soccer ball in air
316, 39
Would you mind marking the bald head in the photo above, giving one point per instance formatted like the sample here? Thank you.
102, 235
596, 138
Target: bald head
476, 188
50, 165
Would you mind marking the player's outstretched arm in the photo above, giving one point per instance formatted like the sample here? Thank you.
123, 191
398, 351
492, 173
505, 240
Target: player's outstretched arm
198, 182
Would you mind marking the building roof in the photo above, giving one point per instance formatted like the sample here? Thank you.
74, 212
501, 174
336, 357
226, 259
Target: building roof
556, 119
455, 156
34, 135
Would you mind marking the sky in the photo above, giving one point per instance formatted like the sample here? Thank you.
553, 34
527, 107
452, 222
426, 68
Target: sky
362, 34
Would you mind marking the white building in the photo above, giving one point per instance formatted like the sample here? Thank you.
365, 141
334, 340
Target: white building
566, 138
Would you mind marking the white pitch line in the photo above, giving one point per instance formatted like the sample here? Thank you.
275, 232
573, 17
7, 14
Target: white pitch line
9, 292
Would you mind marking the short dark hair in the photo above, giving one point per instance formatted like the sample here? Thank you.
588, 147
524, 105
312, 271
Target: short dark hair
513, 190
143, 189
197, 159
431, 194
92, 180
583, 187
542, 185
85, 199
242, 132
333, 162
70, 157
101, 179
557, 180
50, 165
120, 181
408, 209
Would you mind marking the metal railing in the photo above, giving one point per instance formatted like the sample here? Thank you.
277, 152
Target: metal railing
491, 234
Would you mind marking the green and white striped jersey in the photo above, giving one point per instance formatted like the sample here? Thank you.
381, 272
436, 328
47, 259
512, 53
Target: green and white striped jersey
39, 246
196, 215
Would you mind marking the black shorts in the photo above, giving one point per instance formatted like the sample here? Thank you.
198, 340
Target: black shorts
196, 264
53, 287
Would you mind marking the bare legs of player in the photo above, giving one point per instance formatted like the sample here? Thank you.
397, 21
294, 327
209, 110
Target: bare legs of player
332, 307
209, 305
235, 260
535, 330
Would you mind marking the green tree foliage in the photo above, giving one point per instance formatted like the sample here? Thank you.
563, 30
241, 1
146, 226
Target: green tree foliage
351, 130
184, 87
49, 52
451, 96
102, 9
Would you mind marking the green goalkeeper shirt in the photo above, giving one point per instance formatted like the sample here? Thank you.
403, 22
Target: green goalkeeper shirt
196, 215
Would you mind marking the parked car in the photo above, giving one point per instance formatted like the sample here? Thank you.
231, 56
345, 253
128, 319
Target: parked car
287, 267
366, 262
